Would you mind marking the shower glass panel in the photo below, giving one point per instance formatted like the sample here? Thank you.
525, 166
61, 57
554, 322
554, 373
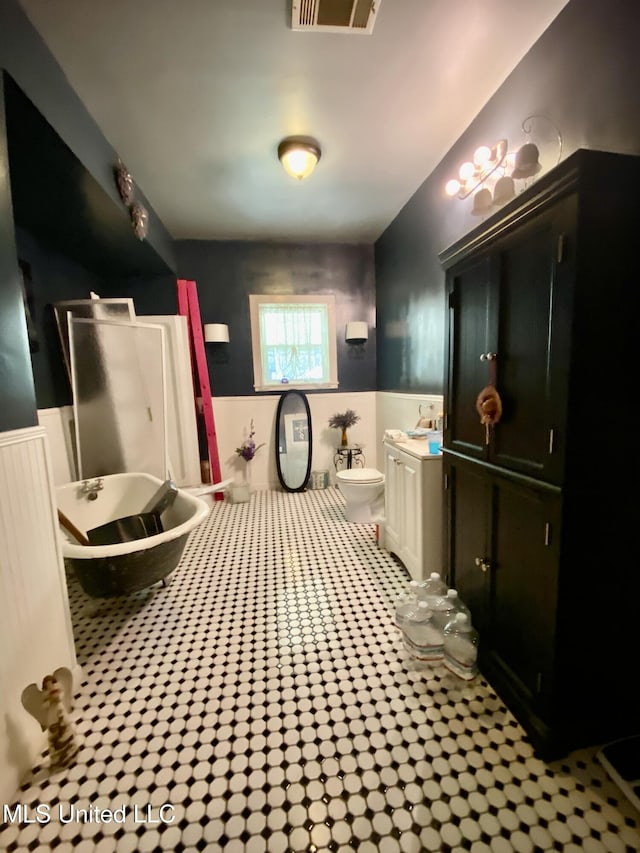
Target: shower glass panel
117, 372
91, 309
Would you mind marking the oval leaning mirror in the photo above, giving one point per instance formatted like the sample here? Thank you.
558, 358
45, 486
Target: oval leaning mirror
293, 441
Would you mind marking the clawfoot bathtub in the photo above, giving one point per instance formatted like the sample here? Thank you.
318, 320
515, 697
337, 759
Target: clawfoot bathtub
108, 570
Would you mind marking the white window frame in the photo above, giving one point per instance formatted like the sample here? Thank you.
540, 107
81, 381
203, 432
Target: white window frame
255, 300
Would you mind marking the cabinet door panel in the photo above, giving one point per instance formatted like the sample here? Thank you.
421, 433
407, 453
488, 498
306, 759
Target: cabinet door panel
521, 439
524, 583
472, 323
392, 496
468, 500
411, 554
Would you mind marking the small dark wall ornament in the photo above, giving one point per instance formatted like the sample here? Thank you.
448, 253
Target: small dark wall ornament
218, 353
356, 351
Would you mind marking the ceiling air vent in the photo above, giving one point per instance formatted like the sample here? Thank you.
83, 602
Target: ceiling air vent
334, 16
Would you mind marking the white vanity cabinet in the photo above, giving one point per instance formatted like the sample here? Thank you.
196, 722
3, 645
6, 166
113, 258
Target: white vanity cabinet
413, 506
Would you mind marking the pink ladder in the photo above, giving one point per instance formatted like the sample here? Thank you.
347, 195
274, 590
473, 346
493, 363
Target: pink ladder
188, 306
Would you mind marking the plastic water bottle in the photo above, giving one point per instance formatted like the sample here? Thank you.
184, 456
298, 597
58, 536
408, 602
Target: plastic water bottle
430, 589
457, 603
420, 613
447, 608
421, 638
409, 609
435, 583
404, 608
414, 589
461, 647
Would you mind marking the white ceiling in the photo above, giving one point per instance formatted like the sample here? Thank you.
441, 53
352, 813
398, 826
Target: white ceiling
195, 96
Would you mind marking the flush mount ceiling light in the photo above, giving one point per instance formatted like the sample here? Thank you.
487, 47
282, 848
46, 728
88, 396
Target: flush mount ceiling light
299, 156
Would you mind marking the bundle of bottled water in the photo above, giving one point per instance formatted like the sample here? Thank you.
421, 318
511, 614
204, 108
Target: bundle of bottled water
436, 626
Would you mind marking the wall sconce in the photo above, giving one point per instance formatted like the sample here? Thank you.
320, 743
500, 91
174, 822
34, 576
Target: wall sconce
216, 333
299, 156
356, 332
474, 177
471, 175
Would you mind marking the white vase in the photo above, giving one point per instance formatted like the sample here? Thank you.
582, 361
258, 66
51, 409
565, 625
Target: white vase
240, 491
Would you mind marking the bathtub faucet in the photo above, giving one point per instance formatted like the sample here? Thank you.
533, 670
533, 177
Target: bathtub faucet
90, 488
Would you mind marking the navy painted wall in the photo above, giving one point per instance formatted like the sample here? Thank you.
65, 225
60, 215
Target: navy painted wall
54, 277
582, 74
227, 272
79, 210
26, 57
17, 392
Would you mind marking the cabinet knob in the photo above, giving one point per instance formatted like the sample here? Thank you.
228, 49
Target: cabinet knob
482, 563
488, 356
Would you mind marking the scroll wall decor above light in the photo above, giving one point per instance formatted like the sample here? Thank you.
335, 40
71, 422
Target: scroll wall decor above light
492, 174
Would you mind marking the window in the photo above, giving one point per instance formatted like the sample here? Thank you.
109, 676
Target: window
294, 342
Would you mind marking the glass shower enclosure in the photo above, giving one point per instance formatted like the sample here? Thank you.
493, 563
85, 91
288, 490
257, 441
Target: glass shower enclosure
118, 379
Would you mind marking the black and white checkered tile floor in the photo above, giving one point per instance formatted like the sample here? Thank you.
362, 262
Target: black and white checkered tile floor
263, 702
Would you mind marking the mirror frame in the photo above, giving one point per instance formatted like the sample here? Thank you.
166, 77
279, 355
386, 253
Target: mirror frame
281, 402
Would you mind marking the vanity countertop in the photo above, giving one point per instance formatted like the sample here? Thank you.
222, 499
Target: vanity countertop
417, 447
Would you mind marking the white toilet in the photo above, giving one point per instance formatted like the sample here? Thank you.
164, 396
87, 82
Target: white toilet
363, 490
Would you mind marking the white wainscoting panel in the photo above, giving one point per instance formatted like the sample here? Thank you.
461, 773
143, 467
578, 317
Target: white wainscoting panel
35, 625
61, 440
378, 411
233, 418
402, 411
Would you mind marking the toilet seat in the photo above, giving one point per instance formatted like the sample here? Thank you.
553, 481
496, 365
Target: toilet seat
360, 475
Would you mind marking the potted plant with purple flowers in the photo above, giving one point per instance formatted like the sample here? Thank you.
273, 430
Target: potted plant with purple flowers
249, 448
343, 422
